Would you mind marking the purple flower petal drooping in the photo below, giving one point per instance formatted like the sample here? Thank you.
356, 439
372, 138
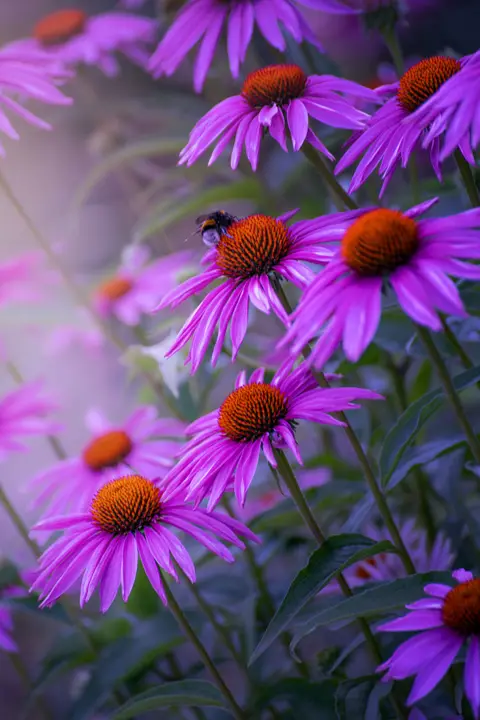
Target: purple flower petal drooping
415, 257
282, 100
128, 519
255, 418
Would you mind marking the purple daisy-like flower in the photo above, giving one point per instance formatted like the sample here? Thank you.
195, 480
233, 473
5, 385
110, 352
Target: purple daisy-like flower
25, 412
70, 37
382, 248
6, 628
449, 617
204, 20
280, 99
408, 120
255, 418
138, 286
131, 446
250, 253
26, 76
128, 518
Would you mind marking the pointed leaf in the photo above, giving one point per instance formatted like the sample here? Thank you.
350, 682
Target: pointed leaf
336, 554
184, 693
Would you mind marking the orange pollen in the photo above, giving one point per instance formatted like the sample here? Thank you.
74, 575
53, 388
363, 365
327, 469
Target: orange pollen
423, 80
107, 450
126, 505
252, 246
251, 411
461, 608
379, 242
274, 85
60, 26
115, 288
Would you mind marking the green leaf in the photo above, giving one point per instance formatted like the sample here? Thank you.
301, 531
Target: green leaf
184, 693
423, 455
413, 419
173, 211
124, 156
304, 697
374, 600
336, 554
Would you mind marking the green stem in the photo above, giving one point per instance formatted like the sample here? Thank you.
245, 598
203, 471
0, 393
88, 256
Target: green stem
78, 293
24, 676
340, 197
178, 675
467, 178
390, 38
190, 633
450, 391
364, 463
456, 344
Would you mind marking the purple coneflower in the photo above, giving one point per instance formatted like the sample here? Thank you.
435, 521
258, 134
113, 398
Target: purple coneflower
6, 627
252, 252
128, 517
204, 20
25, 76
131, 446
138, 286
449, 617
256, 417
72, 38
25, 412
381, 248
404, 124
280, 99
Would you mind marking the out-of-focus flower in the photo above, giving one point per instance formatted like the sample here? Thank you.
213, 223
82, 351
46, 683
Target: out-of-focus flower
138, 286
172, 368
255, 418
25, 412
252, 252
22, 278
26, 75
388, 566
448, 618
127, 518
457, 102
406, 122
277, 98
112, 450
71, 38
204, 20
415, 257
6, 627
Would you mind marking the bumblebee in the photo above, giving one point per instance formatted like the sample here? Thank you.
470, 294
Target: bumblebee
214, 225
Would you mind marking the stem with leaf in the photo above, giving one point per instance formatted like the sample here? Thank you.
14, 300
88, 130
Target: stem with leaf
340, 197
467, 178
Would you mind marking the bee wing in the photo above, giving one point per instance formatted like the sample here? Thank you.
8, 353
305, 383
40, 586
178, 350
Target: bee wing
201, 219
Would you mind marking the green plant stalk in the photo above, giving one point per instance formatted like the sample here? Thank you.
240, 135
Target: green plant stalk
190, 633
285, 471
77, 292
24, 676
340, 197
364, 463
467, 178
450, 392
177, 674
390, 39
464, 357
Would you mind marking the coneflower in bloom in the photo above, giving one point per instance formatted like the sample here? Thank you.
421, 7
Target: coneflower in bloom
71, 37
128, 518
403, 124
204, 20
255, 418
138, 286
143, 443
253, 251
25, 76
447, 619
281, 99
25, 412
381, 249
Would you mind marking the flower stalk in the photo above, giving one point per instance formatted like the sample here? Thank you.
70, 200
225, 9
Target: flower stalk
340, 197
467, 178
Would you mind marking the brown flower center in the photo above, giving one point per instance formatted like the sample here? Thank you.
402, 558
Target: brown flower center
126, 505
60, 26
274, 85
379, 242
107, 450
461, 608
251, 411
115, 288
423, 80
252, 246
